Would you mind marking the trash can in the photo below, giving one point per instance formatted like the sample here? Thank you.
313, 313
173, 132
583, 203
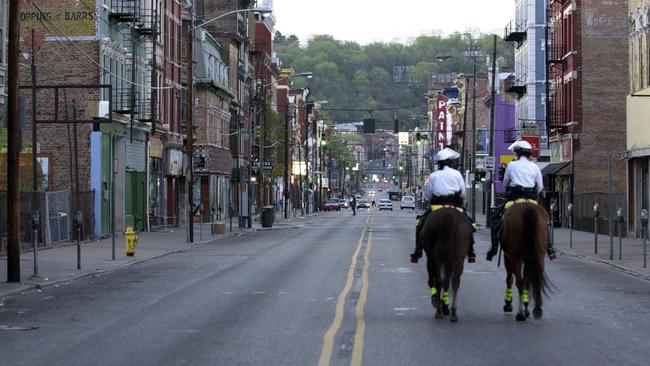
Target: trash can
268, 216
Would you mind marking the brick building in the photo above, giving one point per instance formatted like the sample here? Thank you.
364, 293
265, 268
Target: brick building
235, 33
588, 80
638, 114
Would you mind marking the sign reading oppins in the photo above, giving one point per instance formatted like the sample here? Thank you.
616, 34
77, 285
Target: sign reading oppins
74, 20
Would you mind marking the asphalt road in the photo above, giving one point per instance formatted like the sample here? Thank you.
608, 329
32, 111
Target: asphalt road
339, 290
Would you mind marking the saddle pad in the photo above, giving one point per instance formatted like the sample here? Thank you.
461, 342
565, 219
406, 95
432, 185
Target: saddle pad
520, 200
437, 207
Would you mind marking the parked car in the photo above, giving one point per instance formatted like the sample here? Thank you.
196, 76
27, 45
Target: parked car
362, 203
407, 202
344, 203
332, 205
385, 204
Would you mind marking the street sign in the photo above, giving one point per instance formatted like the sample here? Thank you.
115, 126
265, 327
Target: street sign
268, 165
489, 163
256, 164
624, 155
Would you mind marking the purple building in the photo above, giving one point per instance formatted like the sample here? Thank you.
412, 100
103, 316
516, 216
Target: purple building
504, 135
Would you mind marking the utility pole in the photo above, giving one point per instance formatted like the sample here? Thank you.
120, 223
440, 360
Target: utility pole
35, 213
286, 162
473, 164
190, 127
462, 151
491, 141
13, 151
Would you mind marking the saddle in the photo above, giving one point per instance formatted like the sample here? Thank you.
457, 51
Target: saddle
438, 207
520, 200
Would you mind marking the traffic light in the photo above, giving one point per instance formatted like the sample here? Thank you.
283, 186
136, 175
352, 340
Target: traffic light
396, 126
418, 138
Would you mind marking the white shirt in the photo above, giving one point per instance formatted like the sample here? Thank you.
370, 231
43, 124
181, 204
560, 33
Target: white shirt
445, 182
524, 173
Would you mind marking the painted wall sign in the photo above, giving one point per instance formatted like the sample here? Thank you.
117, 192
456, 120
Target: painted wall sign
441, 122
74, 18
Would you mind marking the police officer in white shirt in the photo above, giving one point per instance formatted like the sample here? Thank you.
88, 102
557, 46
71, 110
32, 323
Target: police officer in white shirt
522, 179
446, 186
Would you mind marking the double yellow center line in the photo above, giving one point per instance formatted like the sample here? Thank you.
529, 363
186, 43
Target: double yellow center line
359, 334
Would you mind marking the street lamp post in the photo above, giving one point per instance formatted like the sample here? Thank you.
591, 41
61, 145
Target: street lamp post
190, 105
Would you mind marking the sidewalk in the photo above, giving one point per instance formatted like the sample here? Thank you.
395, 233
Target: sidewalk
58, 263
581, 244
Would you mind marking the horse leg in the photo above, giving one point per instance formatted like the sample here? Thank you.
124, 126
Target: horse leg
434, 285
445, 295
507, 308
521, 316
525, 297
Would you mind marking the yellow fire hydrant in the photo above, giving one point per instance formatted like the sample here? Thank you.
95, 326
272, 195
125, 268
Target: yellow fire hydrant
130, 239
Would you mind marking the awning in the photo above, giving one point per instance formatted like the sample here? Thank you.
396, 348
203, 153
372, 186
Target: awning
553, 168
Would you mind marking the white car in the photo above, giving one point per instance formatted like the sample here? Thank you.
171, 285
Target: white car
385, 204
407, 202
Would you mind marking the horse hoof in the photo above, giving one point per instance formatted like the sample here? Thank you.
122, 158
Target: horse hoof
537, 313
445, 309
520, 317
507, 308
453, 318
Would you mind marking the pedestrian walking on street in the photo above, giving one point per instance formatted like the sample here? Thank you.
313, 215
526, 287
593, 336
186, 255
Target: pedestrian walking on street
353, 204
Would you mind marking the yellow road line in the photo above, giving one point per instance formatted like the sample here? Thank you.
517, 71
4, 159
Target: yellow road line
328, 339
357, 351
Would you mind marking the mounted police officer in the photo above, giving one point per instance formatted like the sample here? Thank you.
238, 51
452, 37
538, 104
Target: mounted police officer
522, 179
446, 186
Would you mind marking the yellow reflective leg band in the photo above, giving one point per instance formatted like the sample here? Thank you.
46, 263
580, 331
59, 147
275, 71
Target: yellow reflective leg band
434, 291
445, 297
524, 296
508, 294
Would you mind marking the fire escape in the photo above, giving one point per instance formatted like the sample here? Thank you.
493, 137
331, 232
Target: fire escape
515, 33
139, 28
556, 64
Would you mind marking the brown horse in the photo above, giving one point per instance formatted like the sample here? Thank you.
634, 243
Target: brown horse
524, 239
445, 238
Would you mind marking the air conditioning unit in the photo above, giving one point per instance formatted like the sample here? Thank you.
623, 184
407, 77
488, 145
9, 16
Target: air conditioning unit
97, 108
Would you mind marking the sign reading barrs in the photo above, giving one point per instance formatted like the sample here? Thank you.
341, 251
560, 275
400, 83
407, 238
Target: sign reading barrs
72, 18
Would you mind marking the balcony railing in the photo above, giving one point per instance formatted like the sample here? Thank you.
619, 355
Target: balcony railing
515, 33
516, 86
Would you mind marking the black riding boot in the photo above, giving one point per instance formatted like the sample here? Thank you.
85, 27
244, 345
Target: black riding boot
419, 221
495, 243
471, 255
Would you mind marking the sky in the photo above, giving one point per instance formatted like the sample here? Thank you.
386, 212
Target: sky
367, 21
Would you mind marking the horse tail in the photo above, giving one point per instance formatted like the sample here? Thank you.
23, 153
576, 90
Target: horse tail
532, 247
446, 243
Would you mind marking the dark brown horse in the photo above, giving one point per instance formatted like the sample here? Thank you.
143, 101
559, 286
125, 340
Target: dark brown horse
445, 238
524, 239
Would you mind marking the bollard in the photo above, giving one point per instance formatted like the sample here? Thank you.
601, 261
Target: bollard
77, 219
596, 213
644, 232
619, 216
570, 209
552, 224
36, 222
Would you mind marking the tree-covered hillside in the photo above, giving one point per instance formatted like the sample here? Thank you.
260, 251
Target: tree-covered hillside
355, 79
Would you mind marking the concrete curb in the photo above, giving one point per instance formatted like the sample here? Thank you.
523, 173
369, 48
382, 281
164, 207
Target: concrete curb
29, 286
614, 266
